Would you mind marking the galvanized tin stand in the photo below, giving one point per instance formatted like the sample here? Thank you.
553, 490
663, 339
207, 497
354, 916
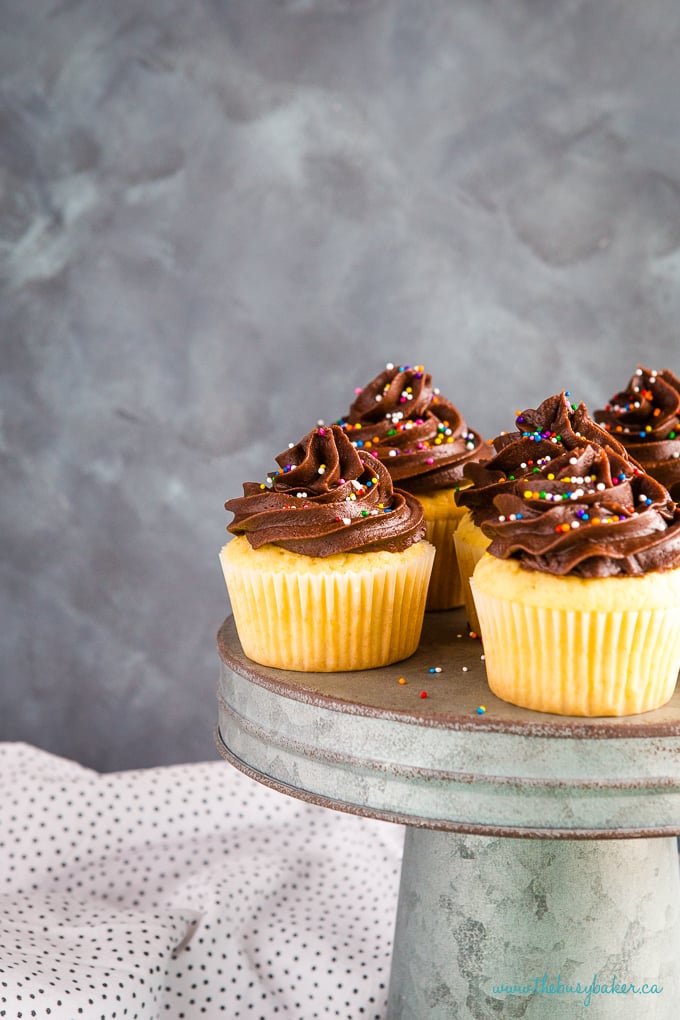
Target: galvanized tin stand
582, 915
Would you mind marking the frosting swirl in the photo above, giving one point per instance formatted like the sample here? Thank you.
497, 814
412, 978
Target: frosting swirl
327, 497
403, 421
590, 512
646, 418
543, 434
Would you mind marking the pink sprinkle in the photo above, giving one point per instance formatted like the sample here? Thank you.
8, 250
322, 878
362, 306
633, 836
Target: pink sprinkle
430, 460
357, 389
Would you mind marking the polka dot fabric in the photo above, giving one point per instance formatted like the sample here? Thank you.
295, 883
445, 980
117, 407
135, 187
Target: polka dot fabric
186, 892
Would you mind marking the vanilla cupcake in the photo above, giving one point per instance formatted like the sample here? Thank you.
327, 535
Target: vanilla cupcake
645, 417
578, 595
424, 442
328, 570
541, 435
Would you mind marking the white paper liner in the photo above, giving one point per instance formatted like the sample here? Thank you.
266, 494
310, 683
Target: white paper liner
445, 590
572, 662
468, 556
327, 622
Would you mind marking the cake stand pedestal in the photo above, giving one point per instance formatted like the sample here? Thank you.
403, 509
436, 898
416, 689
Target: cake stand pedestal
540, 872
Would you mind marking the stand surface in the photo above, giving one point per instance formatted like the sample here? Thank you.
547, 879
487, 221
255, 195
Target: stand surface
480, 914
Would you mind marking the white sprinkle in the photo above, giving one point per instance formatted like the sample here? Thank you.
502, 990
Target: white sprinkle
291, 445
482, 657
346, 520
378, 397
600, 486
301, 495
389, 366
576, 524
322, 470
465, 669
320, 422
573, 460
393, 453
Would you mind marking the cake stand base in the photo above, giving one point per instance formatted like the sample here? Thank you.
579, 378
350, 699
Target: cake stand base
489, 927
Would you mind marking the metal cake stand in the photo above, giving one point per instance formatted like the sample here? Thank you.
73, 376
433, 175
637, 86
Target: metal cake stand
539, 856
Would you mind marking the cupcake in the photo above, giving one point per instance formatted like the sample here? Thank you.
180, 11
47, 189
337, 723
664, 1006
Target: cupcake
328, 570
542, 434
424, 442
645, 417
578, 595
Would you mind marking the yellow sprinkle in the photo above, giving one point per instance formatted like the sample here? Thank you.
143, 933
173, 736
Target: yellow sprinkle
402, 679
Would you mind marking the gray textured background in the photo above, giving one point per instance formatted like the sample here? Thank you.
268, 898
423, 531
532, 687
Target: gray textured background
218, 218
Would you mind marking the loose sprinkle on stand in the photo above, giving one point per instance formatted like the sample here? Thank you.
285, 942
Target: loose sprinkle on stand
435, 669
481, 709
423, 694
402, 679
465, 669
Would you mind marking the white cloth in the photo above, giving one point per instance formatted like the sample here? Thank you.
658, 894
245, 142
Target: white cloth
186, 892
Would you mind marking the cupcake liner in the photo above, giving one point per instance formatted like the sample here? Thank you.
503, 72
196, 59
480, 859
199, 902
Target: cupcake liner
445, 590
574, 662
468, 556
366, 613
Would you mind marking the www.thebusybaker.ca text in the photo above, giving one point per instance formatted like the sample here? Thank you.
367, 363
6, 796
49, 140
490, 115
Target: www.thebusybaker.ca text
555, 986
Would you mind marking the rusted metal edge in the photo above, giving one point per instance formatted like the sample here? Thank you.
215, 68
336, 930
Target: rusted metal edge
445, 825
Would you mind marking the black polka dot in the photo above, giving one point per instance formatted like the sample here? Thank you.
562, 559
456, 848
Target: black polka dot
186, 891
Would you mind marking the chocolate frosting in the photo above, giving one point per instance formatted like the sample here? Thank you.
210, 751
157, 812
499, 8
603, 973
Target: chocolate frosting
646, 418
327, 497
422, 438
542, 435
589, 512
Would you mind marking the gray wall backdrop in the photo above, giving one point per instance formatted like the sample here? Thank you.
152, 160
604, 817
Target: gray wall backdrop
219, 217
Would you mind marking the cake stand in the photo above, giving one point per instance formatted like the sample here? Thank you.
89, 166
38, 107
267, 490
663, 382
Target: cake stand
540, 871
